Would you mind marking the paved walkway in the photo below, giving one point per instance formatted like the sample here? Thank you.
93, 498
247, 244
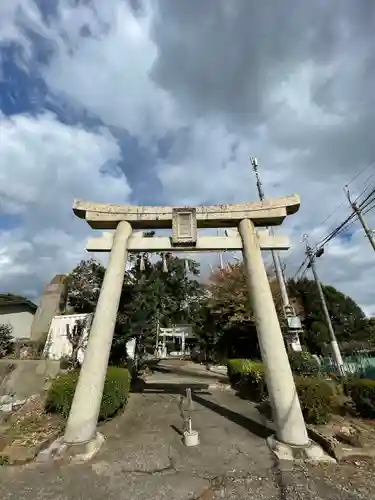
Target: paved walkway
143, 457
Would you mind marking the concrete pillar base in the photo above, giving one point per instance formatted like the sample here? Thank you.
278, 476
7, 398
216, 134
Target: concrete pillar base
74, 453
310, 453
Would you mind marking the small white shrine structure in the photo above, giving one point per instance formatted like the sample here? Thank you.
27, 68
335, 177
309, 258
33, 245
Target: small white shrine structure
179, 335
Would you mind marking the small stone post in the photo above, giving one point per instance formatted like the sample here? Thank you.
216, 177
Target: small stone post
183, 344
290, 425
83, 417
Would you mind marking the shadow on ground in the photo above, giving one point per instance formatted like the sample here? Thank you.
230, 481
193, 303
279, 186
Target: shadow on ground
169, 388
247, 423
199, 391
189, 374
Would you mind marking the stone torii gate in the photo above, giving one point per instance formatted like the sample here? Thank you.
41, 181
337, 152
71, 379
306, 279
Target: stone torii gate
246, 219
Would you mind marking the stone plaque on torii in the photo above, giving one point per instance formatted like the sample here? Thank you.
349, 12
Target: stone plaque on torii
247, 221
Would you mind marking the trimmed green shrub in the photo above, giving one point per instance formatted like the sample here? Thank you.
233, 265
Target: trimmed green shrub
303, 363
362, 393
317, 398
248, 377
317, 395
235, 369
115, 394
254, 383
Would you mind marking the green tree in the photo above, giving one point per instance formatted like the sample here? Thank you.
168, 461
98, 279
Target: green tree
227, 326
171, 297
348, 319
84, 283
148, 296
6, 343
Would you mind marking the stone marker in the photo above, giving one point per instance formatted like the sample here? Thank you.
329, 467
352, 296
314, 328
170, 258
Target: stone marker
52, 303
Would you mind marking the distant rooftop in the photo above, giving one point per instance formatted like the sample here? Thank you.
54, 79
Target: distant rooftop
8, 299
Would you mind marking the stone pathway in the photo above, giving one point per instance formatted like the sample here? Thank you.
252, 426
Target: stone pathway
144, 458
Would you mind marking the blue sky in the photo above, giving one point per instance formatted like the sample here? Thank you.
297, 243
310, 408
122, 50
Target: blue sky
152, 102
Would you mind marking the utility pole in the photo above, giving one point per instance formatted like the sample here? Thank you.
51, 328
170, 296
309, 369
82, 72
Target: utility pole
358, 212
293, 321
221, 261
334, 345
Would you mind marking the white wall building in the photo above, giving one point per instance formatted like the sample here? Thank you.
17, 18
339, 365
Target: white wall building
18, 313
57, 345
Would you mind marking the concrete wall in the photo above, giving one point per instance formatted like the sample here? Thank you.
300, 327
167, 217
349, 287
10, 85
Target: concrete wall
28, 377
19, 318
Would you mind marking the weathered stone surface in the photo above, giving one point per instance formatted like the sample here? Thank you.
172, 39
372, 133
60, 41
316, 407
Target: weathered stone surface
18, 454
27, 376
6, 399
7, 408
52, 303
3, 443
343, 442
18, 403
203, 243
350, 435
265, 213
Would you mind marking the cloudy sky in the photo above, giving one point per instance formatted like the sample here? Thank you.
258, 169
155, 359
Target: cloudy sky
154, 102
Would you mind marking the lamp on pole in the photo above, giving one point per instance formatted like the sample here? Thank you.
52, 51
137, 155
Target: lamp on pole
293, 321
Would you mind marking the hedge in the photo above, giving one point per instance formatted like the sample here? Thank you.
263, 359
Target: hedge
362, 393
247, 377
236, 368
303, 363
115, 394
317, 396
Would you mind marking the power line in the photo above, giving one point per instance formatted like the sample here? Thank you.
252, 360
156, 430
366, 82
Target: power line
300, 268
363, 204
349, 221
337, 230
358, 211
361, 172
366, 186
369, 209
340, 228
366, 205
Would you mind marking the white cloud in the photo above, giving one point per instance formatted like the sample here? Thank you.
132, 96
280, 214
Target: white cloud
108, 73
288, 90
45, 164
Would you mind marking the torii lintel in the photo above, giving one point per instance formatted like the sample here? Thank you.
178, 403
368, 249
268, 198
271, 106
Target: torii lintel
262, 213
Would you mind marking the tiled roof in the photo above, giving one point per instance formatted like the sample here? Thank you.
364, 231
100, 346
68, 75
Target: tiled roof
8, 299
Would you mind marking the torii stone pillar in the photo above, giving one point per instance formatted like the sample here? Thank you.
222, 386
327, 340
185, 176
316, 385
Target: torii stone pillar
83, 417
290, 425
